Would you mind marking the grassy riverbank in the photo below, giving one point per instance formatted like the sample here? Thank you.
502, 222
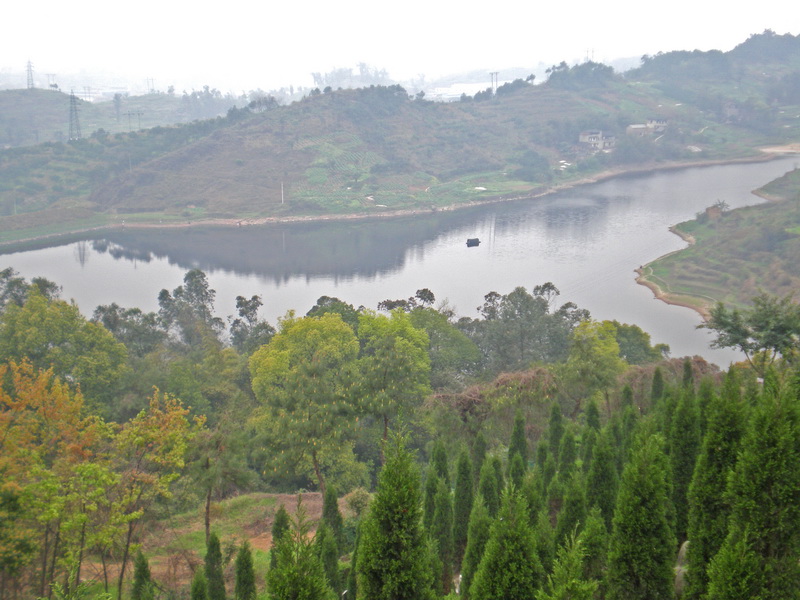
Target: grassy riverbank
734, 255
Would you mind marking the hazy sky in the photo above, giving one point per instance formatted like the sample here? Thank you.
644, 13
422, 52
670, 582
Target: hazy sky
240, 46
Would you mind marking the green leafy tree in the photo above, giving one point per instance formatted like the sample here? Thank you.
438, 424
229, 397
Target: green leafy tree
567, 581
53, 334
634, 345
394, 365
764, 494
441, 533
188, 312
303, 381
764, 332
214, 569
248, 332
245, 587
510, 567
594, 361
462, 506
394, 560
478, 534
641, 547
709, 509
298, 572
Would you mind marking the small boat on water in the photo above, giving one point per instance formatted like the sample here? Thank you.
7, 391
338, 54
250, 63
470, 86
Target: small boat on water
473, 242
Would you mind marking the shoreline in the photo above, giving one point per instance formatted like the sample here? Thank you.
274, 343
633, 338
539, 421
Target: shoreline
768, 154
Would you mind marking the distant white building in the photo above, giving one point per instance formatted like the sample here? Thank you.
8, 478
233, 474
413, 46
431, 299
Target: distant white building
594, 139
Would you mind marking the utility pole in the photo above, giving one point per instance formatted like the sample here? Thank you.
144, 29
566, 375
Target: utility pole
494, 75
134, 113
74, 123
29, 68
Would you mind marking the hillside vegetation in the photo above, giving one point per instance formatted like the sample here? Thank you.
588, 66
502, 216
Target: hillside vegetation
378, 150
738, 254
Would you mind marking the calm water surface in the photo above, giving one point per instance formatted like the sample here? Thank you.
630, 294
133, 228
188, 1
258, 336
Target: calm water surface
587, 241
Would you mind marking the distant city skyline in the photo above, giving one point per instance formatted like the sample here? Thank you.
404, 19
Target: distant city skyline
239, 48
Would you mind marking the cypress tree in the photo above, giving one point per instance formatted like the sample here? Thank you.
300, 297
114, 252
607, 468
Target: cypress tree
462, 506
595, 543
510, 567
516, 471
497, 464
478, 534
325, 542
245, 588
442, 534
642, 545
588, 442
602, 480
213, 565
429, 500
519, 443
555, 429
143, 588
573, 513
627, 396
593, 415
567, 581
298, 572
567, 454
688, 374
657, 387
393, 558
545, 541
280, 525
439, 462
332, 517
199, 589
708, 507
478, 456
684, 444
542, 452
764, 492
352, 578
488, 489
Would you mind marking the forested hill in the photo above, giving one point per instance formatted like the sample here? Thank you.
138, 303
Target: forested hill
378, 149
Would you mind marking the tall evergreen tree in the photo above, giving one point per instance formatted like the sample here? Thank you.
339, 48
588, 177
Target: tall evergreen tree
199, 590
462, 506
439, 461
429, 498
572, 516
298, 572
441, 533
213, 566
282, 524
593, 415
245, 587
516, 470
478, 456
684, 444
497, 465
555, 429
642, 545
764, 492
393, 558
545, 540
595, 543
332, 516
657, 387
510, 567
567, 454
602, 480
488, 488
143, 587
327, 550
352, 575
479, 525
709, 509
567, 581
519, 442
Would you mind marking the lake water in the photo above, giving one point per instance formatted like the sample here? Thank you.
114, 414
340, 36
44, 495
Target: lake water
587, 241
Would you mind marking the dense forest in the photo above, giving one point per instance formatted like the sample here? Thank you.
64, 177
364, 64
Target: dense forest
530, 452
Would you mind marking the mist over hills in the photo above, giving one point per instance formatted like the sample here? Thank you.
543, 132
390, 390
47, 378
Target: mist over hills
381, 148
